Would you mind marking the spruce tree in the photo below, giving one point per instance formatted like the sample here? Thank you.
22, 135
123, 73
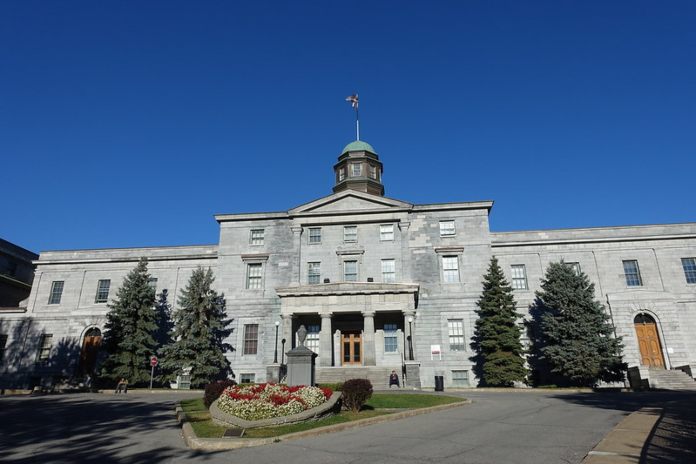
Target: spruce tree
499, 352
200, 328
129, 330
578, 342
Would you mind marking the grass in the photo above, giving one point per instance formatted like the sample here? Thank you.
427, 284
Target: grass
379, 404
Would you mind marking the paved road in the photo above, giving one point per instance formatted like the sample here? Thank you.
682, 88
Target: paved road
140, 428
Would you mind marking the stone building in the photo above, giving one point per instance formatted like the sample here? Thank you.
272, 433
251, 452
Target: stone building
16, 273
379, 283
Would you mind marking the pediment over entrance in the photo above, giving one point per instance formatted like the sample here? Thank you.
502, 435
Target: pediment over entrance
350, 201
346, 288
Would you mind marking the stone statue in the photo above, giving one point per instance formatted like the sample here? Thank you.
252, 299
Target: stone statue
302, 335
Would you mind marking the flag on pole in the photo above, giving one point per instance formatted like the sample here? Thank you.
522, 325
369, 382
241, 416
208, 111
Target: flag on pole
353, 99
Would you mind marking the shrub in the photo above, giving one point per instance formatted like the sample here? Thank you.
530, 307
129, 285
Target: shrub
214, 389
356, 392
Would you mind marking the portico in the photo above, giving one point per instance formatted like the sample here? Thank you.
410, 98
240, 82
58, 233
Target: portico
351, 324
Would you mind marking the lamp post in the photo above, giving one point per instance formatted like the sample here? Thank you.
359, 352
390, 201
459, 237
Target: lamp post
282, 352
410, 338
275, 353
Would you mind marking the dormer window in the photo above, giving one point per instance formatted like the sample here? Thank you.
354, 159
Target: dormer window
356, 169
373, 172
341, 174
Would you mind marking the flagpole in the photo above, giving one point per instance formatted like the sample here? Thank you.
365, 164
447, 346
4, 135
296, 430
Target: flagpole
357, 123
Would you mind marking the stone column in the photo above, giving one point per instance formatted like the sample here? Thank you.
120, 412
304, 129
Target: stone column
369, 358
287, 332
407, 330
325, 335
297, 264
405, 275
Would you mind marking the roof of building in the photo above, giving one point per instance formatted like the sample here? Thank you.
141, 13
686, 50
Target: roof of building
358, 145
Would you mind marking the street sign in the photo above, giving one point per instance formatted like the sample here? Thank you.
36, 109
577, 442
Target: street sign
153, 361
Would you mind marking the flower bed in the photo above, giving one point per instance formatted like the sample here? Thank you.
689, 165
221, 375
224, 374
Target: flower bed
268, 400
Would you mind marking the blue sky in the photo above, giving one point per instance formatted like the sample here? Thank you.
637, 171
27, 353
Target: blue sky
132, 123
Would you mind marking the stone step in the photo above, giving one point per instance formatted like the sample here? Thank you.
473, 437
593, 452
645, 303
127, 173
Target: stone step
378, 376
671, 380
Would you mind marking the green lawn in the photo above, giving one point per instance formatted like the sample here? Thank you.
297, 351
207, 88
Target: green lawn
379, 404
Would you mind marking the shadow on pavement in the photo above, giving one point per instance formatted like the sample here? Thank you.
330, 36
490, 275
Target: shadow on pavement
673, 439
90, 429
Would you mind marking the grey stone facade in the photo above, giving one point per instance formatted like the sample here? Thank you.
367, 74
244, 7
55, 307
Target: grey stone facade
439, 251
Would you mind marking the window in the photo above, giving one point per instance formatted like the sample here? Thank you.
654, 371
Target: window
152, 282
455, 328
313, 273
247, 378
386, 232
356, 169
632, 273
447, 229
257, 236
373, 172
519, 277
388, 271
341, 174
689, 265
312, 340
390, 345
460, 378
254, 276
575, 267
56, 292
450, 269
315, 235
102, 291
3, 344
350, 271
350, 234
251, 338
45, 348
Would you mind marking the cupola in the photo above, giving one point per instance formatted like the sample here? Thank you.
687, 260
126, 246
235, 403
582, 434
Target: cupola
359, 168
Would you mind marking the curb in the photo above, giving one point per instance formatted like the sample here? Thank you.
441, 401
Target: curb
216, 444
624, 443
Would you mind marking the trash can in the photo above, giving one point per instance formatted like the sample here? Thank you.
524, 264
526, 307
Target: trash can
439, 383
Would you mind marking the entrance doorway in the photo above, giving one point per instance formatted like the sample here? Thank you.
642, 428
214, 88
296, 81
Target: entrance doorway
648, 341
90, 349
351, 352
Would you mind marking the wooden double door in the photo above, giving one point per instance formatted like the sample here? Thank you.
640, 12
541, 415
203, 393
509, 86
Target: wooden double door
351, 349
648, 341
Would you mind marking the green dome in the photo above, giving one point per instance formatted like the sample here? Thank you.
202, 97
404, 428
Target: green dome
358, 145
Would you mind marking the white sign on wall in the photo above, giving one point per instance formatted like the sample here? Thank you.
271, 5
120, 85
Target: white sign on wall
435, 351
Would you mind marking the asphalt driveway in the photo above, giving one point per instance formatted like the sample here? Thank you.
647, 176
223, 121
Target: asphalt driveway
140, 428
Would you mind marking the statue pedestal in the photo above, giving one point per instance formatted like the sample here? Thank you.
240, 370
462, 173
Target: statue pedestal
301, 362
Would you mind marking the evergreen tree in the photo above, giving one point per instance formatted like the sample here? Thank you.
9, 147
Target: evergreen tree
130, 326
163, 312
200, 329
578, 342
499, 353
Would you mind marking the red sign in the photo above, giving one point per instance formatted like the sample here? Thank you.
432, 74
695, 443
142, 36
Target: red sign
153, 361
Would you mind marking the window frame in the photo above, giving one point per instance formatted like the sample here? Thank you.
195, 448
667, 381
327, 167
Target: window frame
575, 265
53, 293
254, 278
45, 348
462, 381
313, 340
444, 233
355, 235
450, 271
391, 273
689, 268
316, 238
311, 275
386, 231
353, 167
456, 335
102, 295
391, 336
250, 341
248, 375
257, 237
633, 279
345, 273
515, 279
